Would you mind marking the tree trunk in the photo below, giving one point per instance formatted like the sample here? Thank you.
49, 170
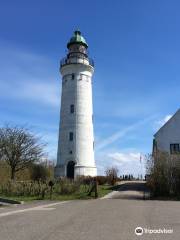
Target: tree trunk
12, 173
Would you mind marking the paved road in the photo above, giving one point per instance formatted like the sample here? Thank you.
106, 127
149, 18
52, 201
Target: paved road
106, 219
129, 190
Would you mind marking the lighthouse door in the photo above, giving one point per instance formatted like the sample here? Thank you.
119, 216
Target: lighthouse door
70, 169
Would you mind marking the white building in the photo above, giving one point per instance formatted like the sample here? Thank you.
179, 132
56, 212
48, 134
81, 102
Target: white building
167, 138
75, 155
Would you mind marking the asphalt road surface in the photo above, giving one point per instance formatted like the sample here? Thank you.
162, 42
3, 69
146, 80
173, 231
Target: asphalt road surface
112, 218
130, 190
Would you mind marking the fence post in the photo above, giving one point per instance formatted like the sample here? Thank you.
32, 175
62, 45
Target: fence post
96, 188
51, 184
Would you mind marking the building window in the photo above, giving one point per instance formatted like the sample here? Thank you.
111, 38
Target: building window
72, 108
70, 152
174, 148
73, 76
154, 146
71, 136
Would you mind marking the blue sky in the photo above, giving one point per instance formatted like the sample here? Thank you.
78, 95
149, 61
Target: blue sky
135, 46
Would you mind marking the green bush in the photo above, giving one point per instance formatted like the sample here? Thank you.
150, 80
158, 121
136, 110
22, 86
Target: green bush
39, 172
163, 174
66, 186
28, 188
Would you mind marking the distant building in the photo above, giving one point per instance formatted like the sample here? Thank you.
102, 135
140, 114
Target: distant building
167, 138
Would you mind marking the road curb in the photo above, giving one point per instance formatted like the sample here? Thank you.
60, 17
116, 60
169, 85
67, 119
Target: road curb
10, 201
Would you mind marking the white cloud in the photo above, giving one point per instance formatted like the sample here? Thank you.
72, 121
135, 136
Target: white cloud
124, 157
30, 84
46, 93
159, 123
35, 91
28, 76
127, 162
119, 134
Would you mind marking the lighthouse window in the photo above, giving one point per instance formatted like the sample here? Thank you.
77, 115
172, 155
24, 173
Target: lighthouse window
73, 76
72, 108
71, 136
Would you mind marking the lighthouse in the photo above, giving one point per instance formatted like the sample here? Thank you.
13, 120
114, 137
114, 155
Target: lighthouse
75, 156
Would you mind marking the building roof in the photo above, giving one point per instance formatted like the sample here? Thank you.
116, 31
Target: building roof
177, 112
77, 38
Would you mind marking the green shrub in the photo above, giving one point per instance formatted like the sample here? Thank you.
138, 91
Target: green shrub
39, 172
22, 188
102, 180
66, 186
163, 174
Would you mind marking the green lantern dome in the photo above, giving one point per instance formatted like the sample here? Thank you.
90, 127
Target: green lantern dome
77, 38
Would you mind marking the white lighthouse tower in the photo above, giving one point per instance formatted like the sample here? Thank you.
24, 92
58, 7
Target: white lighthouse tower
75, 155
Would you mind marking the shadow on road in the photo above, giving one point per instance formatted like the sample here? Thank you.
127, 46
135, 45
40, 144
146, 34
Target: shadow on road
131, 186
131, 190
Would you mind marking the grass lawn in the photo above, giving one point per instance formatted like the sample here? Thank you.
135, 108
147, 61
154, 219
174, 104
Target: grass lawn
102, 191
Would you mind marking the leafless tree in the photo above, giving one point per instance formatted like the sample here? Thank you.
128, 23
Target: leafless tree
112, 174
19, 148
163, 171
